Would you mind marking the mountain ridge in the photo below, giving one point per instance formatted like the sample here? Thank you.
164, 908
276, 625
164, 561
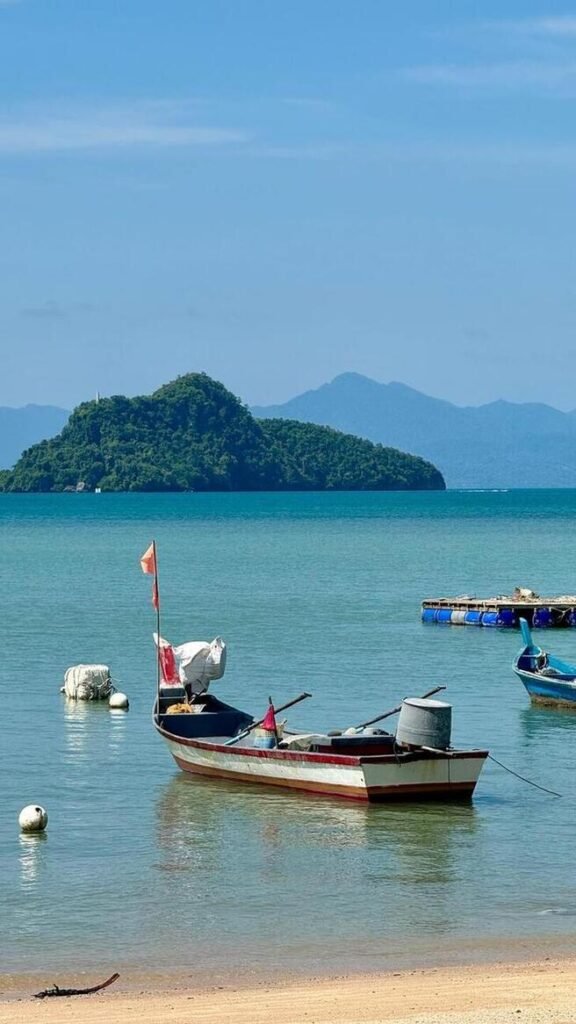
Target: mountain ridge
23, 426
499, 444
194, 434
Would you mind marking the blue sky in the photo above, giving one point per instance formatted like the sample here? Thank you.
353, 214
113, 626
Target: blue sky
277, 192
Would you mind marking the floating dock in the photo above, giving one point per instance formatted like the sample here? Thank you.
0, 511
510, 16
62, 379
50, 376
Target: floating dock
504, 611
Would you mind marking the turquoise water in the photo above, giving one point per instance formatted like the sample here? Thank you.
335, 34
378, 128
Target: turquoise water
141, 865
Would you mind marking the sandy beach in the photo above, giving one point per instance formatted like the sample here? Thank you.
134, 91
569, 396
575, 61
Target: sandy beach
536, 993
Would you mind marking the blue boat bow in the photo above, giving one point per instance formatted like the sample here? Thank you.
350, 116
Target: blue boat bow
547, 678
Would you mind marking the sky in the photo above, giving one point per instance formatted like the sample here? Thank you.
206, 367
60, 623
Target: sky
277, 192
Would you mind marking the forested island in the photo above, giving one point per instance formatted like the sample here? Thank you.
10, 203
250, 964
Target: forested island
193, 434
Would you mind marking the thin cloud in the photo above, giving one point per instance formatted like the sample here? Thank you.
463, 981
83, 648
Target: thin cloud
564, 26
147, 124
471, 155
308, 103
51, 310
503, 155
512, 75
45, 311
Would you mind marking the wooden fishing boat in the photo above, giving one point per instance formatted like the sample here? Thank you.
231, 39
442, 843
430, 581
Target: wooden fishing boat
220, 741
208, 737
547, 678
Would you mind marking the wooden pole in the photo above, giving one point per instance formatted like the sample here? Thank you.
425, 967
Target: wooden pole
394, 711
254, 725
157, 603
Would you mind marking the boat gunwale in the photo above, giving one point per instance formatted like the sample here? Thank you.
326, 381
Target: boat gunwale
535, 674
541, 675
317, 758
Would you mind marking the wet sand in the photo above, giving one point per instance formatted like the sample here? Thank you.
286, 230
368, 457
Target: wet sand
532, 993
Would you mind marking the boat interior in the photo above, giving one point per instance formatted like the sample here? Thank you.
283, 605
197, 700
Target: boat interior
539, 662
211, 720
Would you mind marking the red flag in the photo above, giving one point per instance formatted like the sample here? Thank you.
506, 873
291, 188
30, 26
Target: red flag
269, 722
148, 565
148, 561
168, 663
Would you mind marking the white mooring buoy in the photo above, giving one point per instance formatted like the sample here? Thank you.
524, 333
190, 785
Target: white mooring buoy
33, 818
119, 700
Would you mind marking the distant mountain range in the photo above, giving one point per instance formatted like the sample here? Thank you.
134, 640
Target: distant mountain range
194, 435
501, 444
21, 428
496, 445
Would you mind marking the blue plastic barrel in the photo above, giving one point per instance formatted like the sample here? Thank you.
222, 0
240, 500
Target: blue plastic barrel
542, 618
428, 615
572, 617
444, 615
473, 618
507, 617
489, 618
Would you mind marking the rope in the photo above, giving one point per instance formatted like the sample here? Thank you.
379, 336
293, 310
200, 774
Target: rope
522, 779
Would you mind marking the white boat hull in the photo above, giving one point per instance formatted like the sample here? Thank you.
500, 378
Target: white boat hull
416, 775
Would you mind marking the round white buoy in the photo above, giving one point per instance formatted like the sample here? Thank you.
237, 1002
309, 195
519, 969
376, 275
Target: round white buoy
119, 700
33, 818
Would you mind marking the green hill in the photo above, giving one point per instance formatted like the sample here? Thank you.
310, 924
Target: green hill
193, 434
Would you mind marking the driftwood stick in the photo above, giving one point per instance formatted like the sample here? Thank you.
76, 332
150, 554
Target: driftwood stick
55, 991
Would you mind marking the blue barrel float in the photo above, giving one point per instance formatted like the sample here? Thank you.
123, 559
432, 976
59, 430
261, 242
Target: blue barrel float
428, 615
542, 618
473, 618
489, 618
444, 615
507, 618
572, 617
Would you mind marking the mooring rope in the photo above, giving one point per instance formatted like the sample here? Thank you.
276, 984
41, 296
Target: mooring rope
522, 779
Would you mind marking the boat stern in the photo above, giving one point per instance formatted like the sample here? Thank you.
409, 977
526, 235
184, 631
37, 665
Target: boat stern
420, 776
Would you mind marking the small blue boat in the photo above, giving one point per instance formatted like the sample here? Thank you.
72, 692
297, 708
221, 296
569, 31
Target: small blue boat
548, 679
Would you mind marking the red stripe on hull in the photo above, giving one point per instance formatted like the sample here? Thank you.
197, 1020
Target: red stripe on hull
302, 755
263, 754
457, 790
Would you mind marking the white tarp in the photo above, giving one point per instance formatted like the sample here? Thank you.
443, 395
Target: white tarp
198, 662
88, 682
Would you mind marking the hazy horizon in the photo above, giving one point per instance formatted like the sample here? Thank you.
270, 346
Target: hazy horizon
344, 373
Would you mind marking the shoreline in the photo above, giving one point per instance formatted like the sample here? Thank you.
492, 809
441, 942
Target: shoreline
533, 992
469, 953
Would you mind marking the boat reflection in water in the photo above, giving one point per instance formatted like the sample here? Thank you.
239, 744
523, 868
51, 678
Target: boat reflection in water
541, 723
251, 857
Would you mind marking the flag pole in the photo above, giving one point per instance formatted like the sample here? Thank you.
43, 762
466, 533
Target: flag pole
157, 603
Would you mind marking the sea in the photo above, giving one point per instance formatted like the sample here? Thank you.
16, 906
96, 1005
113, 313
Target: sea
142, 867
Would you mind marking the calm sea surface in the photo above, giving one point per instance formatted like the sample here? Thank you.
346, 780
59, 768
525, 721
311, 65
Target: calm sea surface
141, 865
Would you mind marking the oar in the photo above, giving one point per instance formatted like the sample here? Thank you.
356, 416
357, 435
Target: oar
255, 725
395, 711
